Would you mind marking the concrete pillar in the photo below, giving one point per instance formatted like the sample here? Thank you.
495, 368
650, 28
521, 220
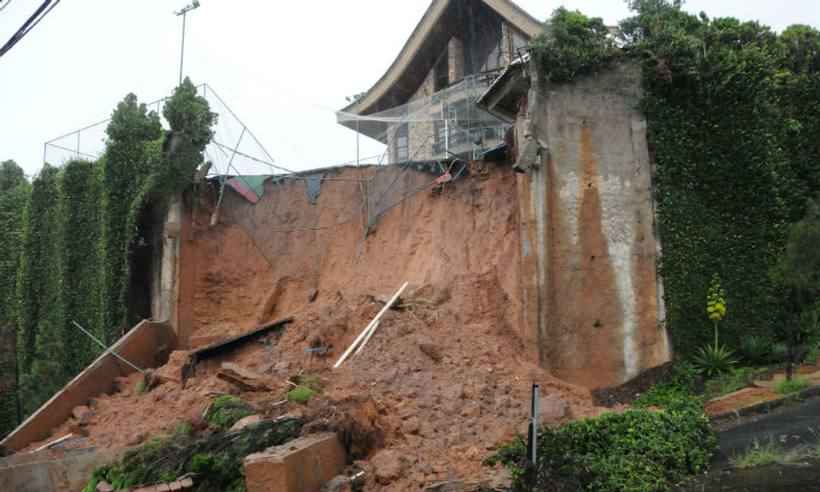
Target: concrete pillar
455, 52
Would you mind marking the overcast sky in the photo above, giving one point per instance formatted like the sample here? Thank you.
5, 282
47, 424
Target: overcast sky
283, 67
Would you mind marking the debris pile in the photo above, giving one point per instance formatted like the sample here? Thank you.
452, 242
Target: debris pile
442, 381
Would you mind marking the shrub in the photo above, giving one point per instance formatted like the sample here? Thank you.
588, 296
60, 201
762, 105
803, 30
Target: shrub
779, 353
573, 45
301, 394
756, 349
216, 458
714, 360
797, 277
789, 386
227, 410
638, 450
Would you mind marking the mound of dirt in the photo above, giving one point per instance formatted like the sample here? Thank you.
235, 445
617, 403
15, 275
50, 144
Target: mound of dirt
444, 381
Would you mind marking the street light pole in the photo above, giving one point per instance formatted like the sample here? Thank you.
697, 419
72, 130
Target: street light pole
184, 14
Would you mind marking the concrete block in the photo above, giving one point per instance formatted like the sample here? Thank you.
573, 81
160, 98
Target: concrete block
302, 465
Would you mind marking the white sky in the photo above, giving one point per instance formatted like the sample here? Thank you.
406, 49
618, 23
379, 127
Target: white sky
282, 66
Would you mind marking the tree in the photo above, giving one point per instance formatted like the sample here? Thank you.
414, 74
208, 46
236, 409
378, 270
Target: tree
125, 167
11, 175
797, 275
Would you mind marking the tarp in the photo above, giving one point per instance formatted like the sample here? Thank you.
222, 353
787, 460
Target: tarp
250, 187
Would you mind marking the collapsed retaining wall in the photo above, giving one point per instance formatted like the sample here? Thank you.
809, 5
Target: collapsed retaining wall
147, 345
42, 472
595, 294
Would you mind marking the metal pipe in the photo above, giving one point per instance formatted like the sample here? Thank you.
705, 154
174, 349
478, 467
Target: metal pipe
108, 350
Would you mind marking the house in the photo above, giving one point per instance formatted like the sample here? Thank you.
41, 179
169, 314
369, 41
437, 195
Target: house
423, 108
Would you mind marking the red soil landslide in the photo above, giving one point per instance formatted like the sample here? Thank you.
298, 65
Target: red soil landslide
444, 380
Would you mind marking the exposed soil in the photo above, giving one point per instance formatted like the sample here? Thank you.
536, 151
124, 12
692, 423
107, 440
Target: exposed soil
740, 399
443, 382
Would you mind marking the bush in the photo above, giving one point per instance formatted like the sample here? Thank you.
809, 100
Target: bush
779, 353
789, 386
216, 458
756, 350
227, 410
638, 450
574, 45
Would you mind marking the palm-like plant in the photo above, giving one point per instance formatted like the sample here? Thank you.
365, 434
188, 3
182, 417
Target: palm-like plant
714, 360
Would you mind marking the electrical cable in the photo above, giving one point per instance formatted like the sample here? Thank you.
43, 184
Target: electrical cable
3, 7
44, 9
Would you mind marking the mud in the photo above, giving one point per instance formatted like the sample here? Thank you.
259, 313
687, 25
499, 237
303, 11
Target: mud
443, 382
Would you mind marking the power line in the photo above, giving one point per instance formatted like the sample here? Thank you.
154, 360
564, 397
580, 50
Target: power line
2, 7
44, 9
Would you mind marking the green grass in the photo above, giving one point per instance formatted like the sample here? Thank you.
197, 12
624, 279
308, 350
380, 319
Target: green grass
760, 455
729, 382
787, 387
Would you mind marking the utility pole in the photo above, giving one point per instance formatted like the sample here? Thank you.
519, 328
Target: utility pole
184, 14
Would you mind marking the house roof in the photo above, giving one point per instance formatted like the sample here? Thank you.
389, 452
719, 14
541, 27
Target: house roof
406, 73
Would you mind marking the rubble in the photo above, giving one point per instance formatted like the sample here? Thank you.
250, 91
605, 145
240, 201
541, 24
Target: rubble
244, 379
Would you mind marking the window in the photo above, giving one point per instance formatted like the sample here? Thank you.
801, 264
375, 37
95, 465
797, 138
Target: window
441, 72
401, 145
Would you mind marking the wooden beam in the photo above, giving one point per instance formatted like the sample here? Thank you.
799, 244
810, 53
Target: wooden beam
369, 326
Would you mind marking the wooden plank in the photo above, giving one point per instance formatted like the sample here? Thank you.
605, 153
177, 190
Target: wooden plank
221, 347
370, 326
54, 443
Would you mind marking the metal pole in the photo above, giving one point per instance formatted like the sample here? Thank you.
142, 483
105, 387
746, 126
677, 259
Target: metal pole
108, 350
357, 143
533, 434
182, 52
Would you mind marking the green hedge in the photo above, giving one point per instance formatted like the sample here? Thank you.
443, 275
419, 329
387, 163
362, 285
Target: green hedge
14, 194
41, 334
80, 195
639, 450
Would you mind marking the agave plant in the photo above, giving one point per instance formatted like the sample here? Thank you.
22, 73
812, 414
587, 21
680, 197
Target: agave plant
714, 360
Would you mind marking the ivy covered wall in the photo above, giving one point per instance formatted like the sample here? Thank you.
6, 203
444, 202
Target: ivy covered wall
14, 194
733, 110
66, 256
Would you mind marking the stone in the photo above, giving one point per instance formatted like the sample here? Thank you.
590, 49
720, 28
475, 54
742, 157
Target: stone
301, 465
388, 465
175, 370
430, 350
246, 422
136, 439
340, 483
244, 379
104, 487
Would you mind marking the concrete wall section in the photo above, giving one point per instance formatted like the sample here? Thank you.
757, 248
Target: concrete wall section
591, 211
69, 473
147, 345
